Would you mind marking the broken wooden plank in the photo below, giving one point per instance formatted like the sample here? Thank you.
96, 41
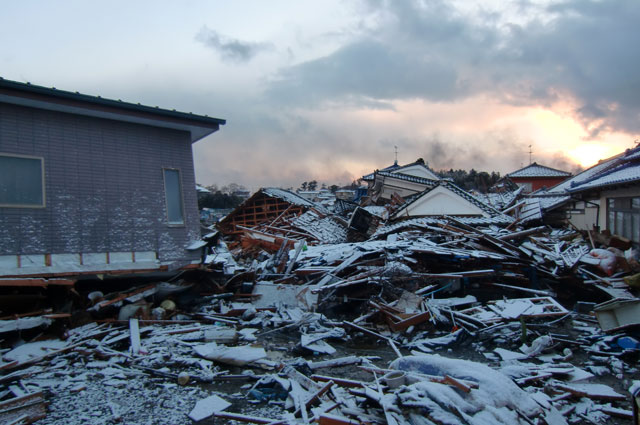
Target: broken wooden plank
329, 419
42, 283
522, 234
450, 380
249, 419
410, 321
343, 382
207, 407
33, 406
134, 334
592, 391
342, 361
620, 413
122, 297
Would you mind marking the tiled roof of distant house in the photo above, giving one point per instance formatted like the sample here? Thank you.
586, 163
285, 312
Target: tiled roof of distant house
397, 169
371, 176
537, 170
414, 179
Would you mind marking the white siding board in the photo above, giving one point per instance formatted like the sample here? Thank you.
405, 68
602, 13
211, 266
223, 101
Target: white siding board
441, 201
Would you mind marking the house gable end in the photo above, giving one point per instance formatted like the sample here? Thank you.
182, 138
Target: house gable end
438, 202
417, 170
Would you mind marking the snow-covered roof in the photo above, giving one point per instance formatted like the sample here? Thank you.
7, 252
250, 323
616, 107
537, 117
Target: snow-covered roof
324, 229
537, 170
377, 210
287, 196
550, 202
414, 179
501, 200
491, 214
417, 169
624, 173
427, 222
619, 169
329, 254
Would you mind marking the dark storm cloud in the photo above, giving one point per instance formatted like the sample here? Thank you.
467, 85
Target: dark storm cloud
367, 70
583, 49
229, 48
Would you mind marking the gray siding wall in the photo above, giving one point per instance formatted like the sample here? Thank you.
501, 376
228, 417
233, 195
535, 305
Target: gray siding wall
104, 186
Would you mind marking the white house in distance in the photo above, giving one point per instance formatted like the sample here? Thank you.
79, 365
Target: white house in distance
447, 199
403, 180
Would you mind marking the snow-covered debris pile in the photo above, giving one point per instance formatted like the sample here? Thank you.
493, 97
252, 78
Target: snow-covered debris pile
493, 399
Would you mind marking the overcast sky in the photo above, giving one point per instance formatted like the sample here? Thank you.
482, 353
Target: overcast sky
324, 90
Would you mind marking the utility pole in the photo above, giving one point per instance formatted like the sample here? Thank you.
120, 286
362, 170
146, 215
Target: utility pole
396, 152
530, 152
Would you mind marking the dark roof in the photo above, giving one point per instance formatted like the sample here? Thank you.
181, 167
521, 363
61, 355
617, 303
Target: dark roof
536, 170
395, 167
370, 177
32, 95
414, 179
622, 168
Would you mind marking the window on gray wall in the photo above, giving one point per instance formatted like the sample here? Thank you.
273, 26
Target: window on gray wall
173, 196
21, 181
624, 217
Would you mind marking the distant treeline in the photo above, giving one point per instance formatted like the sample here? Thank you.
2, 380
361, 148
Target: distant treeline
225, 197
471, 180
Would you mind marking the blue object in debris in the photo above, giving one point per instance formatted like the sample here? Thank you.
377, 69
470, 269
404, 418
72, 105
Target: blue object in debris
628, 343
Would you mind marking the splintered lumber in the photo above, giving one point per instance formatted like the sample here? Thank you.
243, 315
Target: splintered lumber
399, 321
342, 361
329, 419
498, 243
340, 284
365, 330
247, 418
387, 414
447, 380
134, 333
370, 332
122, 297
346, 263
410, 321
293, 259
42, 283
518, 288
206, 407
393, 346
614, 411
29, 407
450, 380
522, 234
33, 360
349, 383
592, 391
314, 398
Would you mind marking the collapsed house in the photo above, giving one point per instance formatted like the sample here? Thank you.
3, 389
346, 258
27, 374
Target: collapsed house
429, 308
92, 185
275, 218
399, 180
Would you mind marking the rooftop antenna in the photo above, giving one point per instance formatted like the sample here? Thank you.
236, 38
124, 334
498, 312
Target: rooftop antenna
396, 152
530, 152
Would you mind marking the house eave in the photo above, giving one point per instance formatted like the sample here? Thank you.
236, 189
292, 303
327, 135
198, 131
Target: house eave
34, 96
